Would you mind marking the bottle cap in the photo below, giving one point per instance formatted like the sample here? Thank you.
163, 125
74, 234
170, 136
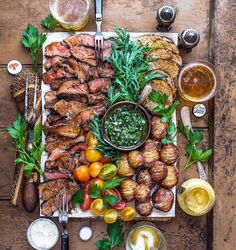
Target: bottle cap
14, 67
199, 110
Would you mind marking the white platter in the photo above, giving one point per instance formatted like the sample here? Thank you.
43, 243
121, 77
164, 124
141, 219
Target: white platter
76, 212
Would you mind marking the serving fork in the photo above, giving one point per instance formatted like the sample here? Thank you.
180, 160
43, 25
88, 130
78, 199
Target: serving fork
98, 39
63, 219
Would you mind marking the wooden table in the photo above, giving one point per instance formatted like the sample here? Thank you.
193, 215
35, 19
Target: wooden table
216, 22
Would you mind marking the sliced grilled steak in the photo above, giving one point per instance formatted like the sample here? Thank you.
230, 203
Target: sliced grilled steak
62, 142
99, 85
78, 148
54, 175
69, 109
106, 72
72, 89
57, 49
51, 188
48, 64
94, 99
84, 54
50, 99
50, 76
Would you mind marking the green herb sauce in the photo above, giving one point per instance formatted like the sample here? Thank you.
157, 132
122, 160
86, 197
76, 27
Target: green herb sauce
125, 127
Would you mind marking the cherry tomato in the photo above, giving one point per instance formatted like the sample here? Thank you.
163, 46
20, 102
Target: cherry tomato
91, 139
105, 160
95, 168
110, 216
97, 207
92, 155
82, 173
98, 182
127, 214
108, 171
87, 200
119, 205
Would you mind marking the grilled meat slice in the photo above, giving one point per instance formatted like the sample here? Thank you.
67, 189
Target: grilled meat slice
48, 63
84, 54
94, 99
72, 89
62, 130
50, 99
70, 108
51, 205
99, 85
57, 49
61, 142
51, 188
66, 160
52, 75
86, 40
78, 148
106, 72
53, 118
54, 175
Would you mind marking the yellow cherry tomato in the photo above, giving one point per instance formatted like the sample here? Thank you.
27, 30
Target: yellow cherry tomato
97, 207
92, 155
95, 168
98, 182
82, 173
128, 214
110, 216
91, 139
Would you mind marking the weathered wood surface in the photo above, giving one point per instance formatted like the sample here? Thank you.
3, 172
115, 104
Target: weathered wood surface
182, 232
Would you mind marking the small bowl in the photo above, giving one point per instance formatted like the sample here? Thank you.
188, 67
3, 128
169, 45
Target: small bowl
132, 105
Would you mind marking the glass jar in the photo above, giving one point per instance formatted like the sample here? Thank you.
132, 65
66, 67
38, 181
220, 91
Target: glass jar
143, 235
71, 14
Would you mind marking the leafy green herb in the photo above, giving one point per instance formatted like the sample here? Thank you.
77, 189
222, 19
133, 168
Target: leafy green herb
115, 182
49, 23
131, 68
102, 147
116, 237
31, 158
33, 40
78, 198
95, 191
171, 132
194, 154
161, 109
110, 200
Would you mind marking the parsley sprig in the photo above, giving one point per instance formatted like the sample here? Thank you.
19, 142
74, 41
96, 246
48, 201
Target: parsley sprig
194, 154
49, 23
78, 198
116, 237
30, 158
171, 133
33, 40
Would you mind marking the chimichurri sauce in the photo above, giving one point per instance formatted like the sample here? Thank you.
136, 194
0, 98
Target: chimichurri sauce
125, 126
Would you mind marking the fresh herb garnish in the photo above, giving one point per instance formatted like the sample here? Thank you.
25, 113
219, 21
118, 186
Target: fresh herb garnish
31, 158
33, 40
115, 182
131, 68
78, 198
102, 147
49, 23
116, 237
161, 109
95, 191
194, 154
171, 132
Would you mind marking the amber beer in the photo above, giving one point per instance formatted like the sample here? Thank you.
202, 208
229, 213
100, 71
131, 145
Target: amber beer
71, 14
198, 81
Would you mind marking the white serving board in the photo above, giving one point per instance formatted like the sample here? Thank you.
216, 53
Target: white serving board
77, 212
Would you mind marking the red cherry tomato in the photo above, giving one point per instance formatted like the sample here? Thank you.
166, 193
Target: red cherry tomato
87, 200
115, 192
105, 160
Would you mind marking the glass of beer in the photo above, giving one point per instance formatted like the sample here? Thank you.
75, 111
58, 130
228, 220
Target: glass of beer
71, 14
198, 81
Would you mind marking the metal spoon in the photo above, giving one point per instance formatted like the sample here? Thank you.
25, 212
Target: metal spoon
145, 92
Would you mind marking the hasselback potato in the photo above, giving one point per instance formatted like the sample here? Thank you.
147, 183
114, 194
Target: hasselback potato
172, 177
127, 188
150, 153
144, 177
142, 193
124, 169
135, 158
169, 154
143, 208
163, 199
158, 128
158, 171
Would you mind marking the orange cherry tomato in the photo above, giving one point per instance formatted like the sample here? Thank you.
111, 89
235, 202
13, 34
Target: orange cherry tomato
95, 168
82, 173
92, 155
128, 214
98, 182
97, 207
110, 216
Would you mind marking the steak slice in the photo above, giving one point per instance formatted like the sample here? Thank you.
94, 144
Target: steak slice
69, 109
57, 49
84, 54
50, 99
52, 75
72, 89
51, 188
99, 85
54, 175
94, 99
106, 72
66, 160
48, 63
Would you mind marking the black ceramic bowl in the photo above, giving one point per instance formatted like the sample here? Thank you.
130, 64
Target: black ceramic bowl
131, 105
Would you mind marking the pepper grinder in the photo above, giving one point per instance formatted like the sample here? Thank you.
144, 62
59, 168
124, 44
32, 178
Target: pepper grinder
189, 39
165, 17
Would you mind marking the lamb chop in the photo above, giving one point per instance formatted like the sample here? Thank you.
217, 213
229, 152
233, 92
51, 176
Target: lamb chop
49, 189
69, 109
66, 160
99, 85
61, 142
57, 49
50, 99
51, 205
